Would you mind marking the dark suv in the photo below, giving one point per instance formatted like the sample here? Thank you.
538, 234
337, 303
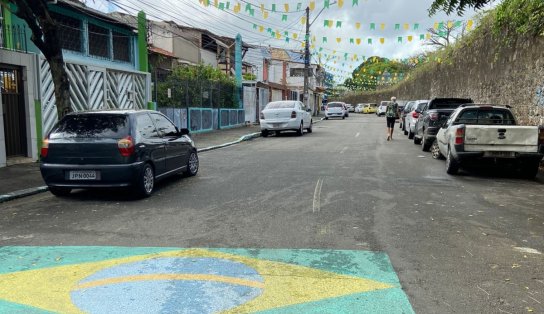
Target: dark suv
122, 148
431, 118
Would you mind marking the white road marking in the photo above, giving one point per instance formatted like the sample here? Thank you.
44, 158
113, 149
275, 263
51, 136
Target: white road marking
343, 150
316, 206
357, 135
527, 250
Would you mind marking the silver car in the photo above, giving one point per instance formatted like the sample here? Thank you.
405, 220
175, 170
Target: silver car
412, 116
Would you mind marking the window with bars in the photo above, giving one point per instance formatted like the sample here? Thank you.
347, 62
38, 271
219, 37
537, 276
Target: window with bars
99, 41
71, 32
121, 47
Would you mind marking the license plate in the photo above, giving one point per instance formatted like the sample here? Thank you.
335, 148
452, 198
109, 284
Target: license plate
83, 175
500, 154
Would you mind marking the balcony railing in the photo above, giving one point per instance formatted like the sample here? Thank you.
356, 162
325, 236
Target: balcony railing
13, 38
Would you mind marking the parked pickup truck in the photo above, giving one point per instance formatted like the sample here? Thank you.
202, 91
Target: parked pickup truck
428, 122
489, 134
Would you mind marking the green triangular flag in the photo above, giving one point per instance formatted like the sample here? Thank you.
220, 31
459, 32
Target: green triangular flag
370, 41
351, 41
299, 6
284, 17
307, 37
457, 23
287, 39
372, 26
273, 34
252, 12
228, 5
221, 6
416, 26
422, 37
397, 26
338, 24
355, 2
286, 33
326, 4
324, 39
399, 39
254, 25
320, 48
248, 7
269, 30
325, 23
273, 7
441, 25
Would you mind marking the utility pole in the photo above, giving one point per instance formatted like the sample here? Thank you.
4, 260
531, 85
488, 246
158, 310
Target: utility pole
307, 58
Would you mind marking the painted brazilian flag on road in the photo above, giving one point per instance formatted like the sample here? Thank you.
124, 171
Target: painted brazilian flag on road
174, 280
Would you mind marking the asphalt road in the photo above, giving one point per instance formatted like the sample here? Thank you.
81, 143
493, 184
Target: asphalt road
459, 244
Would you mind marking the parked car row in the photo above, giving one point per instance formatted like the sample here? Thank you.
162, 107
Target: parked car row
366, 108
468, 134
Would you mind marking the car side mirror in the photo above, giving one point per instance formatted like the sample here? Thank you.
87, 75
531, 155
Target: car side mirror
184, 131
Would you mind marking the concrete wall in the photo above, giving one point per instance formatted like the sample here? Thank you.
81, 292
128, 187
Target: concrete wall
484, 69
27, 62
208, 57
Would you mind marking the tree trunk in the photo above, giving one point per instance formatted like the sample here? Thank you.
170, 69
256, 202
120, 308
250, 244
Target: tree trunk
62, 85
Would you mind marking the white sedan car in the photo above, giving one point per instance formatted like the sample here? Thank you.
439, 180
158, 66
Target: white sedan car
286, 115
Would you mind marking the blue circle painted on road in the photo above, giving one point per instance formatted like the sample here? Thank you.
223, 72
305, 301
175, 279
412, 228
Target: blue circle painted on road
112, 294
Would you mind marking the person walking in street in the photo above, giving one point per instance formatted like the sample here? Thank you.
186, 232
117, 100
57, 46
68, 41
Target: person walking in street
391, 114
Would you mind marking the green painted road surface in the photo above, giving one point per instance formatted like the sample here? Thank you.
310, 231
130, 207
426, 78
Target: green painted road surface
176, 280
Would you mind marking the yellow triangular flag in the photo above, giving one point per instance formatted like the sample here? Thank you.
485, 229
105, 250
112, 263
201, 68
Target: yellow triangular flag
295, 35
265, 15
261, 28
450, 24
357, 25
382, 26
469, 24
338, 39
410, 37
358, 41
312, 5
340, 3
262, 7
406, 26
382, 40
428, 35
286, 7
303, 20
436, 25
237, 7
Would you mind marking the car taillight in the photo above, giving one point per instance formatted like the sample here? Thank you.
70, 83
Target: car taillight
541, 136
415, 115
460, 136
433, 116
45, 147
293, 115
261, 116
126, 146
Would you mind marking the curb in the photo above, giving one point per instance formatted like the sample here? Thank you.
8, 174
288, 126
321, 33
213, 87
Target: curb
22, 193
31, 191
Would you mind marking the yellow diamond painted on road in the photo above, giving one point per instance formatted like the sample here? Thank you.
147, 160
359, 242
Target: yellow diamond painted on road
273, 285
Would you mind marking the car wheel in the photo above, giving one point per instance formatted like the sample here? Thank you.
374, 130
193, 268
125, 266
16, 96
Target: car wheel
326, 118
452, 165
146, 181
300, 130
435, 151
264, 133
424, 145
310, 130
411, 135
343, 117
405, 132
59, 191
192, 164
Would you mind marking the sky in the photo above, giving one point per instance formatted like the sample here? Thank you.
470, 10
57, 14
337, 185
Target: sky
254, 29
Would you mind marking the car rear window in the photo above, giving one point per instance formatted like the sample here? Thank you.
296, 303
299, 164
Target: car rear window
335, 105
486, 117
280, 105
448, 103
92, 125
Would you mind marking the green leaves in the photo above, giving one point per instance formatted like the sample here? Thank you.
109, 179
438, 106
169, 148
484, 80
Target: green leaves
449, 6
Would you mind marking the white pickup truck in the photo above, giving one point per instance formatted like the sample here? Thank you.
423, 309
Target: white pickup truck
488, 134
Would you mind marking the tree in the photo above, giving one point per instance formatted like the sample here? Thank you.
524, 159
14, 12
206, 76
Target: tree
449, 6
45, 36
445, 34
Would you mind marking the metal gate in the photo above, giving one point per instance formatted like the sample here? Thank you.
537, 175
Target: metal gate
13, 109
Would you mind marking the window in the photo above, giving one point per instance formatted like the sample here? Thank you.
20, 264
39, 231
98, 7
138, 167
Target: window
92, 125
99, 41
164, 126
296, 72
121, 47
70, 28
146, 129
281, 105
486, 116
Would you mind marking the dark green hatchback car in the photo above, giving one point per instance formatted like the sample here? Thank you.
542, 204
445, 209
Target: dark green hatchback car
121, 148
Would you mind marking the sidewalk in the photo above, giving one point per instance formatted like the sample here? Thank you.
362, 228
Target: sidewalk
25, 179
